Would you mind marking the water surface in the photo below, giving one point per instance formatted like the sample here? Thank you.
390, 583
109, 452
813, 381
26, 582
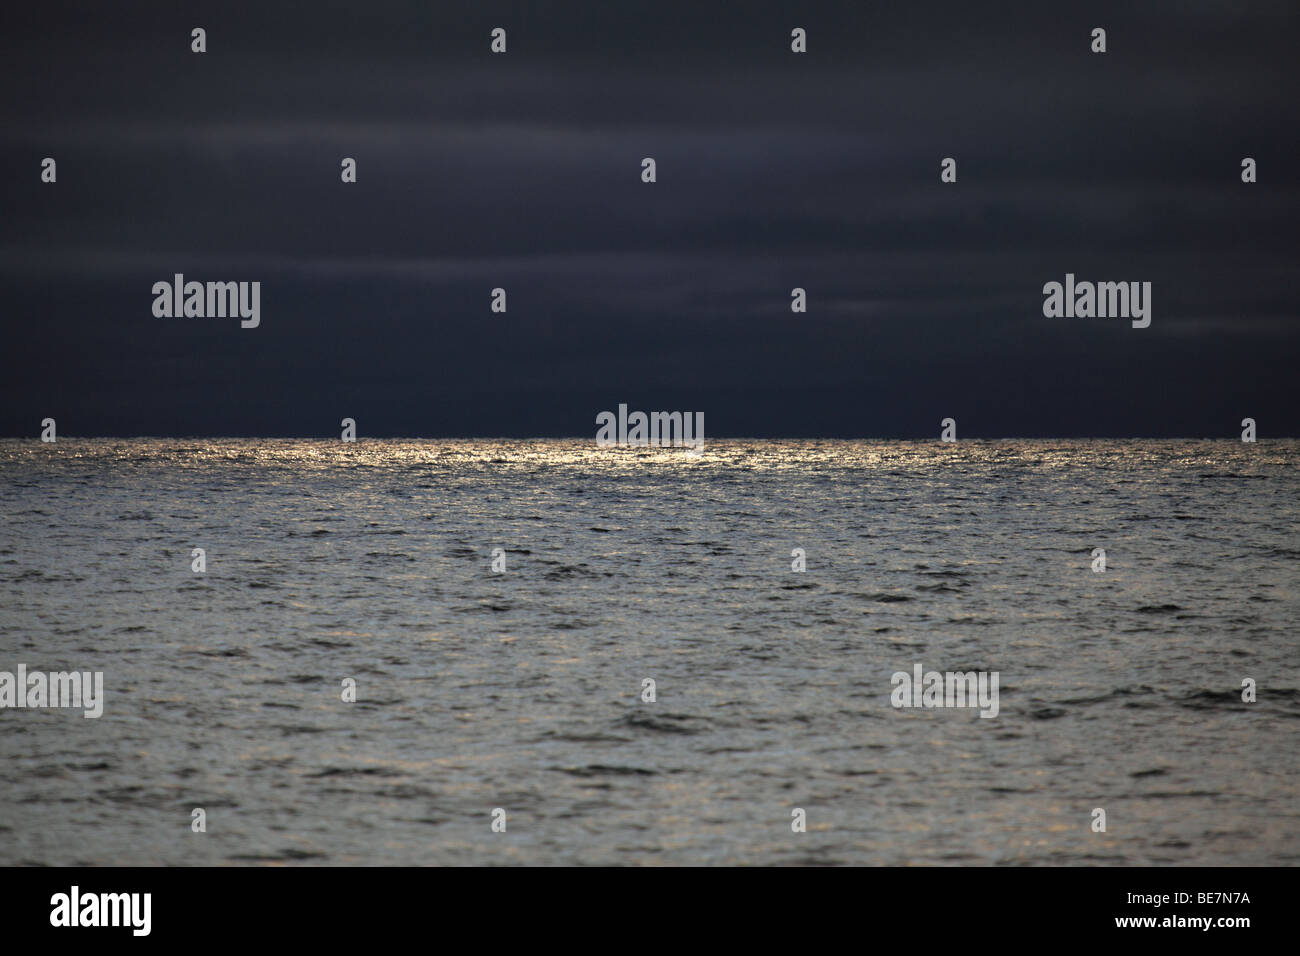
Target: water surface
522, 690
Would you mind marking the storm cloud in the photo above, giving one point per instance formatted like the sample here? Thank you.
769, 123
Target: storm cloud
775, 170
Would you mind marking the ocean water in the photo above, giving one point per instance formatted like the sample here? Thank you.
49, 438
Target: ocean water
522, 690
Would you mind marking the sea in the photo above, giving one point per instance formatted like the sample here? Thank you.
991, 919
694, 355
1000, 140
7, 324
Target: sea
439, 652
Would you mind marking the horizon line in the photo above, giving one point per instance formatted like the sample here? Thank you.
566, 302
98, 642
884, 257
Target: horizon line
359, 440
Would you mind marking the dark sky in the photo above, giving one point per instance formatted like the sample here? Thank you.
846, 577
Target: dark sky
775, 170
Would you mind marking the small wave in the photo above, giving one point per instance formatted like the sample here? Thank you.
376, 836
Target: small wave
605, 770
662, 723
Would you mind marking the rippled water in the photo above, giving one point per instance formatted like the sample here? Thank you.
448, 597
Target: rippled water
522, 690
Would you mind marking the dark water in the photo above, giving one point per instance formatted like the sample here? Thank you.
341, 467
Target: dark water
477, 690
